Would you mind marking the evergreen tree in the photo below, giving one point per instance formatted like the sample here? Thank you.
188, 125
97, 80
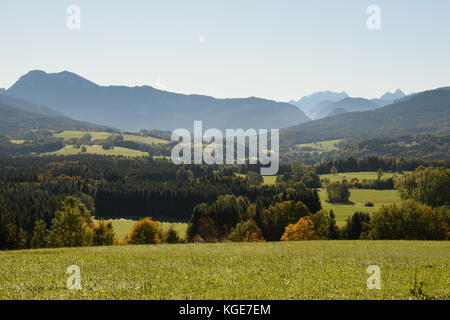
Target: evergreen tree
39, 234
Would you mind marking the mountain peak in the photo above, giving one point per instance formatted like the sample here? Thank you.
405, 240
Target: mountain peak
42, 78
307, 103
135, 108
398, 94
328, 95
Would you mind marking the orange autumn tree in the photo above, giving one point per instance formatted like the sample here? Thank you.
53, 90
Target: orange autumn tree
145, 231
302, 230
253, 232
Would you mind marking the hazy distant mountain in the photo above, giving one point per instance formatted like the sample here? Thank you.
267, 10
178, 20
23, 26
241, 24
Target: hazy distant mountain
29, 106
320, 108
134, 108
308, 103
13, 118
398, 94
344, 105
320, 105
336, 111
389, 98
425, 112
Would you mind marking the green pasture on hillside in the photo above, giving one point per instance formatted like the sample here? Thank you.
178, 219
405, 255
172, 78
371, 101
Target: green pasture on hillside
71, 134
97, 149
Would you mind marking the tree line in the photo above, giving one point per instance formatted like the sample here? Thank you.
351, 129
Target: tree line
33, 188
374, 163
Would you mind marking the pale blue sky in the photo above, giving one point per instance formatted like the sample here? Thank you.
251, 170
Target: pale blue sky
279, 50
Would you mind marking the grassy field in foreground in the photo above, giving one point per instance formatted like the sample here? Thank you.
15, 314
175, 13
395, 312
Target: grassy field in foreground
96, 149
70, 134
359, 197
279, 270
122, 227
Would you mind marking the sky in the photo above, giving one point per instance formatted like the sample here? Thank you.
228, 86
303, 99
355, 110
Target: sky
278, 50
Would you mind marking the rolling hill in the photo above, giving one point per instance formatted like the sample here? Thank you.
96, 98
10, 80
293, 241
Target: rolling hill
425, 112
426, 147
135, 108
13, 119
29, 106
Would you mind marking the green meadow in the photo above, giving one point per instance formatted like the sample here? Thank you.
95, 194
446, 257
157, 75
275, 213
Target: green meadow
122, 227
358, 197
269, 180
71, 134
97, 149
275, 270
17, 141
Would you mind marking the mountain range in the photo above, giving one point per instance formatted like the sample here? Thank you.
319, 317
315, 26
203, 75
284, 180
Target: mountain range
308, 103
144, 107
42, 100
425, 112
324, 104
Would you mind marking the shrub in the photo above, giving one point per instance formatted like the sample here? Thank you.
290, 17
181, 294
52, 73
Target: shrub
247, 231
171, 236
103, 234
302, 230
116, 241
145, 231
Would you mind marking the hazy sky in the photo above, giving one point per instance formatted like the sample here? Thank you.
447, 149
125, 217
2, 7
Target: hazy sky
279, 50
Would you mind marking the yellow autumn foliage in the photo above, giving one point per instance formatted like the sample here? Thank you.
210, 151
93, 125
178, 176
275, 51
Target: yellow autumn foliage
302, 230
145, 231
